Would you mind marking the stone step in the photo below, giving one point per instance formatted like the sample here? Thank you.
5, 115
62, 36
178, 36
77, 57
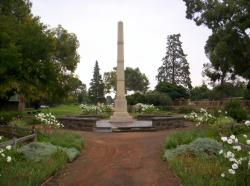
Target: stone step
134, 129
102, 129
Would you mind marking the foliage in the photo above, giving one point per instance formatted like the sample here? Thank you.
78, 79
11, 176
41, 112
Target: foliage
6, 117
157, 98
4, 152
229, 22
96, 90
185, 137
28, 173
35, 61
37, 151
135, 98
203, 147
237, 156
48, 120
235, 110
175, 68
63, 139
174, 91
203, 117
227, 90
134, 80
200, 92
143, 108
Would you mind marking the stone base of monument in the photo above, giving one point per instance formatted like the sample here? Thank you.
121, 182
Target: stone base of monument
151, 124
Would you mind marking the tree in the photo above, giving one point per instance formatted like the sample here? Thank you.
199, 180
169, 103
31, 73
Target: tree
34, 61
96, 90
228, 48
175, 68
201, 92
173, 90
134, 80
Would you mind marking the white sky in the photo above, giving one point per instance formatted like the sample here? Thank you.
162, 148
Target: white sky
147, 23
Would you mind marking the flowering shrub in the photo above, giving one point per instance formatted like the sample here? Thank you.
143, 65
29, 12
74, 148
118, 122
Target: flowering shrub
101, 108
48, 120
4, 152
203, 117
143, 108
238, 153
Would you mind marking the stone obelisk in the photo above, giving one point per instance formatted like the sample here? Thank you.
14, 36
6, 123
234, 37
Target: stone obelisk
120, 116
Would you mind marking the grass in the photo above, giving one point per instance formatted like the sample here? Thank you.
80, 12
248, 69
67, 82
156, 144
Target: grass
64, 110
185, 137
199, 172
63, 139
197, 169
23, 172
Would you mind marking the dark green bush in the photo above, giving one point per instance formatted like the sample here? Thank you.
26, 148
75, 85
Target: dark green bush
135, 98
235, 110
6, 117
174, 91
186, 110
157, 98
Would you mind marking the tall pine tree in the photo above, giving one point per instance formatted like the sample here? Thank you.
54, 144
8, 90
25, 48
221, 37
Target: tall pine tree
96, 90
175, 68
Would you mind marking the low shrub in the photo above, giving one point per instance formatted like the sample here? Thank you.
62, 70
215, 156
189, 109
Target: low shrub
144, 108
185, 137
235, 110
6, 117
203, 147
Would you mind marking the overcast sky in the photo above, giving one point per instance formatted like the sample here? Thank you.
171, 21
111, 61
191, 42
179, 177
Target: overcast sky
147, 23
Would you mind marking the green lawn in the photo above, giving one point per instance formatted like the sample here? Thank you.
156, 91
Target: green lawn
64, 110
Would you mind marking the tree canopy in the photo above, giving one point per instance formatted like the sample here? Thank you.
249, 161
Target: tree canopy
228, 48
134, 80
96, 90
34, 61
175, 68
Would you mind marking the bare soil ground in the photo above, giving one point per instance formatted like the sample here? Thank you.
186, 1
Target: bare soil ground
119, 159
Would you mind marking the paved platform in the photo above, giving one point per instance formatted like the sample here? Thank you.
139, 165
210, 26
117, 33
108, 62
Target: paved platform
106, 126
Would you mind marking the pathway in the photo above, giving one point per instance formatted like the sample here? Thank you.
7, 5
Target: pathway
118, 159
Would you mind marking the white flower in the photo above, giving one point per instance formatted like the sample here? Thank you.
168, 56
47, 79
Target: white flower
247, 123
237, 147
8, 159
248, 142
222, 175
229, 154
236, 140
221, 151
244, 135
230, 141
224, 139
3, 155
1, 137
232, 159
235, 166
8, 147
231, 171
232, 137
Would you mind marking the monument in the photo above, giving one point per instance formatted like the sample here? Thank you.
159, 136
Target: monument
120, 116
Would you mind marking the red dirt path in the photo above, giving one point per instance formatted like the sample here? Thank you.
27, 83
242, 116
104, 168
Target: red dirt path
119, 159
